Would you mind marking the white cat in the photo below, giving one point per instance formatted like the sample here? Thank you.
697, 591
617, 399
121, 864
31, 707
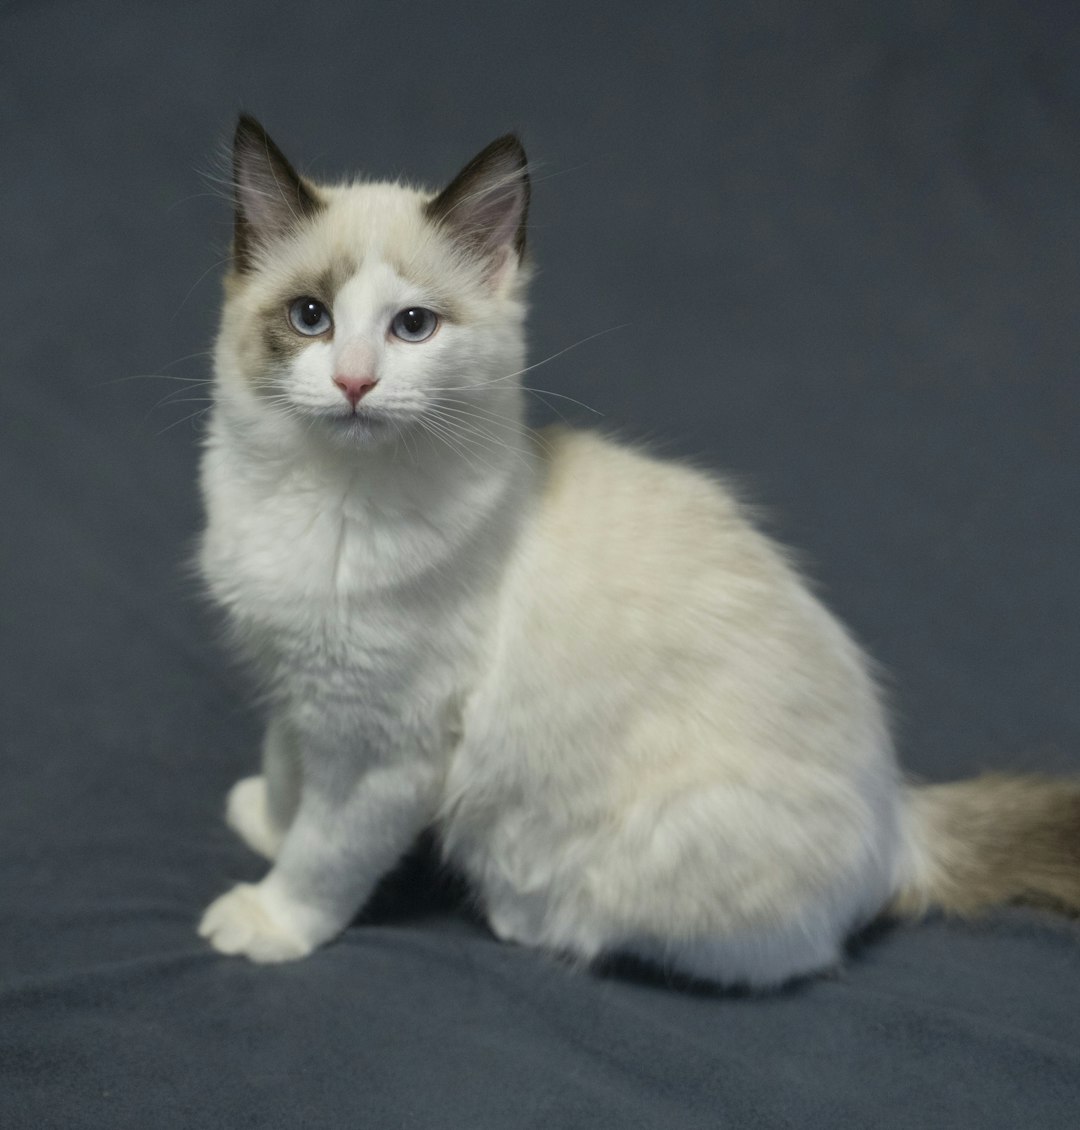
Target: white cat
623, 713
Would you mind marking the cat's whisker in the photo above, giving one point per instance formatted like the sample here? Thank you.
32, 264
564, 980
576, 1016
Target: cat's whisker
158, 377
476, 434
539, 393
438, 432
449, 435
547, 404
401, 435
468, 407
187, 384
171, 400
191, 290
482, 409
504, 423
162, 376
536, 365
466, 427
183, 419
287, 408
501, 430
175, 397
213, 192
474, 440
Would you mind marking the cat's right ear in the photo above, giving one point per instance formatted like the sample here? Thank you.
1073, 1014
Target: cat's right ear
271, 198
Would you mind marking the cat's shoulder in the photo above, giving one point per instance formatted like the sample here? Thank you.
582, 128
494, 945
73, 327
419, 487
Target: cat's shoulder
587, 461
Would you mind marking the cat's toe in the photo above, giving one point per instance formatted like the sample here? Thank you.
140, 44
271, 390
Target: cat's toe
247, 812
239, 923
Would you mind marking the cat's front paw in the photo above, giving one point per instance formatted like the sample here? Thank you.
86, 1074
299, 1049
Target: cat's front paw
240, 922
247, 812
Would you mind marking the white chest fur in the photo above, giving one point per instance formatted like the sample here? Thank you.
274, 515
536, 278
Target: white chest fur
354, 604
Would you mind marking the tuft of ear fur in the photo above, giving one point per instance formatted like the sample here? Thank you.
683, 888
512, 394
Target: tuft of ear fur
270, 196
485, 207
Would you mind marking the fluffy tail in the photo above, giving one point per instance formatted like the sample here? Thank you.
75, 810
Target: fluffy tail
991, 840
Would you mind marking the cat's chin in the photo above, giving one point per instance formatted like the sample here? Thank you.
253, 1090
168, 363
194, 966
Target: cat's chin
359, 429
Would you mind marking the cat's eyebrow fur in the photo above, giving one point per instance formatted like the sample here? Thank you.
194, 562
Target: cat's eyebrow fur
432, 289
326, 283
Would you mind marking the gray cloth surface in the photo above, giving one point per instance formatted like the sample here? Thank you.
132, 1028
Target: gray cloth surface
841, 245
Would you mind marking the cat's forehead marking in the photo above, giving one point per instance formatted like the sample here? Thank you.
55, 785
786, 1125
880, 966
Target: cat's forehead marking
374, 218
382, 228
375, 236
361, 224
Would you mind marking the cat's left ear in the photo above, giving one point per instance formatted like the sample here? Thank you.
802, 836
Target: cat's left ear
486, 206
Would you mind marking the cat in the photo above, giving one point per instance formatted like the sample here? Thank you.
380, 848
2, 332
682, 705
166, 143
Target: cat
617, 704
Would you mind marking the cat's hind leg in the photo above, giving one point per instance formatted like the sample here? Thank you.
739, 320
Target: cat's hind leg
247, 813
260, 809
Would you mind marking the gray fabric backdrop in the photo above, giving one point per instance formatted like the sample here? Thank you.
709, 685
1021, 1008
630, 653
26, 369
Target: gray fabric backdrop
840, 242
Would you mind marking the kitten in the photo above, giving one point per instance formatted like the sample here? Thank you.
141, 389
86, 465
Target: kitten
623, 713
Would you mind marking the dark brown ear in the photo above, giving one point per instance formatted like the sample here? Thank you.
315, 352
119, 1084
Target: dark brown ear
486, 206
270, 196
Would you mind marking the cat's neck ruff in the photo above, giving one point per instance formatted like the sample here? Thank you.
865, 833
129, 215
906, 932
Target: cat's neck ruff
399, 510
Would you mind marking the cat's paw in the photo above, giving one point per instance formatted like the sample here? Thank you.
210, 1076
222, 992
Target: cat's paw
247, 812
240, 922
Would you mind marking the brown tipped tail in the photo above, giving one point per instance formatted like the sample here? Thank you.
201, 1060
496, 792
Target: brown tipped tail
994, 839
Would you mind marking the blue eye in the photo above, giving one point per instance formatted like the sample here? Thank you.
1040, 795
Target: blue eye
414, 324
308, 316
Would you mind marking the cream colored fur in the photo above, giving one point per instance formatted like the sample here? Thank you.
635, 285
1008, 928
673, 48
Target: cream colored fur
619, 706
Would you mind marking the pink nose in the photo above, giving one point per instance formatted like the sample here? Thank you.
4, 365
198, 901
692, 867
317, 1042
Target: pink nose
354, 389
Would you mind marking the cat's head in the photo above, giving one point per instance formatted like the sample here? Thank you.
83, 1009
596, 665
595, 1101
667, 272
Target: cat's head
359, 313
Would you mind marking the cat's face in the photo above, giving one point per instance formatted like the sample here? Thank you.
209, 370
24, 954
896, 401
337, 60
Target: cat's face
362, 313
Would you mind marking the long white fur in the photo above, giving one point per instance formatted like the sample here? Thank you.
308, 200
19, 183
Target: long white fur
625, 715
